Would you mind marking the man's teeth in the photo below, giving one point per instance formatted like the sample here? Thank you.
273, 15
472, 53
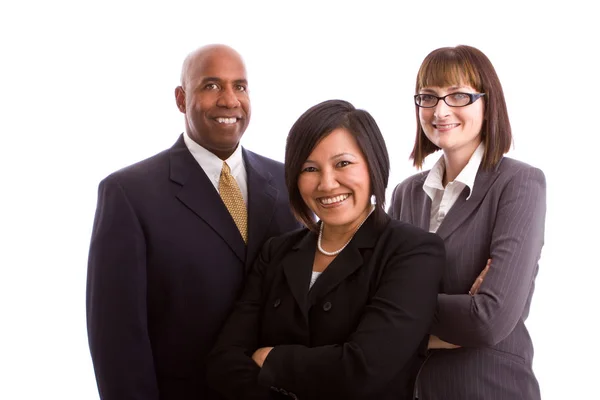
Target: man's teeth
336, 199
226, 120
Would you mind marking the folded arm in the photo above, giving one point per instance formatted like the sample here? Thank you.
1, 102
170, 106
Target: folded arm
517, 238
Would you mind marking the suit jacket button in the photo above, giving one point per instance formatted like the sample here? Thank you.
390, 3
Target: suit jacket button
327, 306
277, 303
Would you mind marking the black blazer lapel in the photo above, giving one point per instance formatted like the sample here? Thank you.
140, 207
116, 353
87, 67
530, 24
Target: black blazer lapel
199, 195
346, 263
297, 268
463, 208
262, 196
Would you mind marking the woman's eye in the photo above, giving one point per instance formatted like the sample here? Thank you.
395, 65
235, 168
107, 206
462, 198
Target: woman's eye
309, 169
459, 96
343, 164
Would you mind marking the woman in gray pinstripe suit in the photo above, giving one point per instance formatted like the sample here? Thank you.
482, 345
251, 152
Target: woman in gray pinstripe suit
484, 206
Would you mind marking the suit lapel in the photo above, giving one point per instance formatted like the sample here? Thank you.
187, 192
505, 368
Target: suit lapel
262, 197
463, 208
420, 203
199, 195
297, 267
346, 263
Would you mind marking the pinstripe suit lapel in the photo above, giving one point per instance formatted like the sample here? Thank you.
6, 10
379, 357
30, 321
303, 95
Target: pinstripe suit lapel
463, 208
421, 205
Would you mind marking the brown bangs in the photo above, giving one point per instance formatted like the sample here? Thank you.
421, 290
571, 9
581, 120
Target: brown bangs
446, 67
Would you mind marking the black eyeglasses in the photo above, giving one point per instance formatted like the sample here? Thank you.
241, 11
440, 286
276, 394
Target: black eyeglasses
453, 99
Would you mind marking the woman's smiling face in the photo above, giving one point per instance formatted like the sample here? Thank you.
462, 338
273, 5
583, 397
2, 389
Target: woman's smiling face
453, 129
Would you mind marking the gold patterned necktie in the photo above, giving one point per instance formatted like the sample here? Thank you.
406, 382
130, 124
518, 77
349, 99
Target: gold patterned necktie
232, 197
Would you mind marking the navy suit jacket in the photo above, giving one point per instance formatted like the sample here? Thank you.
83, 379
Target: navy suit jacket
353, 335
166, 264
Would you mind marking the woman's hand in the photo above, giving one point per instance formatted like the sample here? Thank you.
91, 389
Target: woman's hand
437, 343
475, 287
260, 355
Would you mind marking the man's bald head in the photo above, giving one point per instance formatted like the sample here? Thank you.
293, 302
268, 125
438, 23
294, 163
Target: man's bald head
196, 58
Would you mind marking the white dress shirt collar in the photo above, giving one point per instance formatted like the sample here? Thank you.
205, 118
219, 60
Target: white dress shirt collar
212, 165
467, 176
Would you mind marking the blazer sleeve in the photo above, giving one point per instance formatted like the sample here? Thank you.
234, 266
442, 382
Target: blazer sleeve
517, 239
393, 324
116, 300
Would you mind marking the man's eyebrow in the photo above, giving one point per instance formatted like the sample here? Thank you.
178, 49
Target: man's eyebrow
217, 79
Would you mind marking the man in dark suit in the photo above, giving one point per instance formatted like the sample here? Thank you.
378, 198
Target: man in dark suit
170, 246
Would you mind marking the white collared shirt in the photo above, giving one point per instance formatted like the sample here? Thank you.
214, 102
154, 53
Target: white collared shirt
442, 199
212, 165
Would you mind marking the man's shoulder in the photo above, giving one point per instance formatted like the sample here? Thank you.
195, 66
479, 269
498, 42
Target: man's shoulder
263, 160
144, 170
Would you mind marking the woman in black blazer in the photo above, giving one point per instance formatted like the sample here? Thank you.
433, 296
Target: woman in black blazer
340, 308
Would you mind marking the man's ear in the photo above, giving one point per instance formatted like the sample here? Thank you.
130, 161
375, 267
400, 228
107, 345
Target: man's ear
180, 98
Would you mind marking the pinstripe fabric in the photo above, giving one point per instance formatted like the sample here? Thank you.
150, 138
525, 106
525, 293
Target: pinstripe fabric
503, 219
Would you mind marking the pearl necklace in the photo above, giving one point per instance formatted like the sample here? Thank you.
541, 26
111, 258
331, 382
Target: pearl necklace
335, 253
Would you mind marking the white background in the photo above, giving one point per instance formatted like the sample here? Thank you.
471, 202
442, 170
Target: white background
87, 88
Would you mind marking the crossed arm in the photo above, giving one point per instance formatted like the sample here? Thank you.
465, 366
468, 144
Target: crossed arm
401, 308
498, 299
434, 341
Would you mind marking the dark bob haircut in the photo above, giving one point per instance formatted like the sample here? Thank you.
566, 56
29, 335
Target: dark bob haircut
314, 125
466, 66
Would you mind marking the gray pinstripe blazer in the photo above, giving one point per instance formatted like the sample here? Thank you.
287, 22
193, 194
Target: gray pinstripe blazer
503, 220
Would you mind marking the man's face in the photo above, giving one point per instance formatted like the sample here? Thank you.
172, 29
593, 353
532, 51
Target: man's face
215, 100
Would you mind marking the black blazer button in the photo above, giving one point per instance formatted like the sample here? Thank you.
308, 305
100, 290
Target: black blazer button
327, 306
277, 303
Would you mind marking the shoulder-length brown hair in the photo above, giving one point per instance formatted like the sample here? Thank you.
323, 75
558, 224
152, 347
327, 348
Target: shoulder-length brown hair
466, 65
314, 125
